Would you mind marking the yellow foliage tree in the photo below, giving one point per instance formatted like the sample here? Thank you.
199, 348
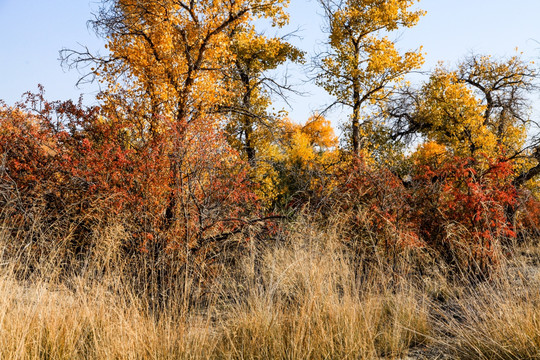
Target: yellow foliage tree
165, 73
172, 54
363, 66
453, 115
479, 107
306, 158
308, 142
250, 127
298, 159
478, 110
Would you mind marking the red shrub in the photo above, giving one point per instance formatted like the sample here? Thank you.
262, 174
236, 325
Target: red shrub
457, 208
461, 209
83, 166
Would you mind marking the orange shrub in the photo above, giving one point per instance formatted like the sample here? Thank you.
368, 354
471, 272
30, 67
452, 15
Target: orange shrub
81, 166
452, 208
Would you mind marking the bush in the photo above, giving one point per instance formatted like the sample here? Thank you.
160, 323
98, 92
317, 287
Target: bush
456, 209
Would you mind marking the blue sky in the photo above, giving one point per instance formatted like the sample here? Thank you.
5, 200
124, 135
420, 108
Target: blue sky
33, 31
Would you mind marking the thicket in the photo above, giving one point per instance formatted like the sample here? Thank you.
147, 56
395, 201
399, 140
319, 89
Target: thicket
184, 156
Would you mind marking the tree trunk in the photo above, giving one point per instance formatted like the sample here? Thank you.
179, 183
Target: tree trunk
356, 118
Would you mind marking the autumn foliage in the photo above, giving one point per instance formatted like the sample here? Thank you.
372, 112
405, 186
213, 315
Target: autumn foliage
184, 149
74, 171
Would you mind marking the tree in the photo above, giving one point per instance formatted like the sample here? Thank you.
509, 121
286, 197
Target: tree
497, 90
310, 141
305, 159
164, 78
478, 109
363, 66
250, 127
476, 115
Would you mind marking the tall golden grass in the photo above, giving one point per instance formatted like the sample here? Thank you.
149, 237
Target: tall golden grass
306, 296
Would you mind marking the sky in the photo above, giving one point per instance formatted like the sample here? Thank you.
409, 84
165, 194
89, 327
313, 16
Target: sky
33, 31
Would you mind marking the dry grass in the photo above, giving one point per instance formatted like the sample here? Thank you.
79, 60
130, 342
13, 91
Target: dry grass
500, 319
311, 308
302, 298
301, 301
41, 323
